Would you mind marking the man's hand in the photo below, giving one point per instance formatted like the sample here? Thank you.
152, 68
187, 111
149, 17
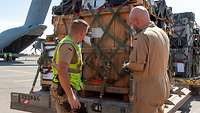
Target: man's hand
74, 102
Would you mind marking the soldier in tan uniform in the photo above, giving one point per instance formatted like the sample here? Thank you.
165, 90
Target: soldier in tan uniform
67, 68
148, 62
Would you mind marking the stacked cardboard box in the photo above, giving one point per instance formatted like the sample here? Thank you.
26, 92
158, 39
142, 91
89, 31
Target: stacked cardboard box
182, 45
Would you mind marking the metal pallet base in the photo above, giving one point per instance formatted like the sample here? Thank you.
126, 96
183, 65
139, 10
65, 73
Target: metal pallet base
40, 101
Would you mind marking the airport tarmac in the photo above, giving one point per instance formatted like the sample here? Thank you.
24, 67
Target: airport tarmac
18, 76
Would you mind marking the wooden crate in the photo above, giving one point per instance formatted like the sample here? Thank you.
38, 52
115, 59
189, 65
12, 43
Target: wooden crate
94, 68
95, 61
61, 24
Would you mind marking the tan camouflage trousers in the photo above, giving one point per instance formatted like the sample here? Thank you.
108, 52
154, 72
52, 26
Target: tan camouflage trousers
58, 100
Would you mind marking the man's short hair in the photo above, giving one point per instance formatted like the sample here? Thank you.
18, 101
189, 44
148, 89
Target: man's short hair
79, 25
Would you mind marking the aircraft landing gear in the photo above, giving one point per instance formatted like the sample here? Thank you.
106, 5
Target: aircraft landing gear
13, 58
6, 58
9, 57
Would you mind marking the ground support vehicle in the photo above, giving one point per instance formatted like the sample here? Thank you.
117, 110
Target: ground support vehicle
44, 62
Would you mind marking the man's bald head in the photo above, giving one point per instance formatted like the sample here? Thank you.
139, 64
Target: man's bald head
139, 17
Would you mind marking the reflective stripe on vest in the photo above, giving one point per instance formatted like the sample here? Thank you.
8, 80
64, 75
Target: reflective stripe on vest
74, 70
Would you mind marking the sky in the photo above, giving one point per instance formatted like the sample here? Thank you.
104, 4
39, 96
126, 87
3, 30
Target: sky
13, 12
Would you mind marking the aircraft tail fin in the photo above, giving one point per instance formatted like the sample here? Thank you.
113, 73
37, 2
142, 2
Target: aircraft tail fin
37, 12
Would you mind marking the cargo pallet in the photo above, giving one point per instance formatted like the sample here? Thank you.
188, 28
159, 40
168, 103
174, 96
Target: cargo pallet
40, 101
111, 42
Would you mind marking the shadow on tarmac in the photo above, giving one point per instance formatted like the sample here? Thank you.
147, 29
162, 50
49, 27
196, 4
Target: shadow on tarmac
186, 108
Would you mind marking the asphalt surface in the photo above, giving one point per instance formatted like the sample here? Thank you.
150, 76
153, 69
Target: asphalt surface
18, 76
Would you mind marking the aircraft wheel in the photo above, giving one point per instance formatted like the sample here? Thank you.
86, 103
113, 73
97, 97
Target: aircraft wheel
6, 59
13, 58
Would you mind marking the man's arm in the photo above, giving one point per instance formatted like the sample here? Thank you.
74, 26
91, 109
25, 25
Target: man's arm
66, 52
139, 54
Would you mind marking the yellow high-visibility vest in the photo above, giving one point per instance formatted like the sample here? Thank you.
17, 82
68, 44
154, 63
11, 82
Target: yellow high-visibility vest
74, 70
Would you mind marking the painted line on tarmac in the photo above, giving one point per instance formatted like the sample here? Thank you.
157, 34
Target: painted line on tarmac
24, 72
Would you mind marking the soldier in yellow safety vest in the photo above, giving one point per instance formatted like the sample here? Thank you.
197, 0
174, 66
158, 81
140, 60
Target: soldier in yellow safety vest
67, 68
